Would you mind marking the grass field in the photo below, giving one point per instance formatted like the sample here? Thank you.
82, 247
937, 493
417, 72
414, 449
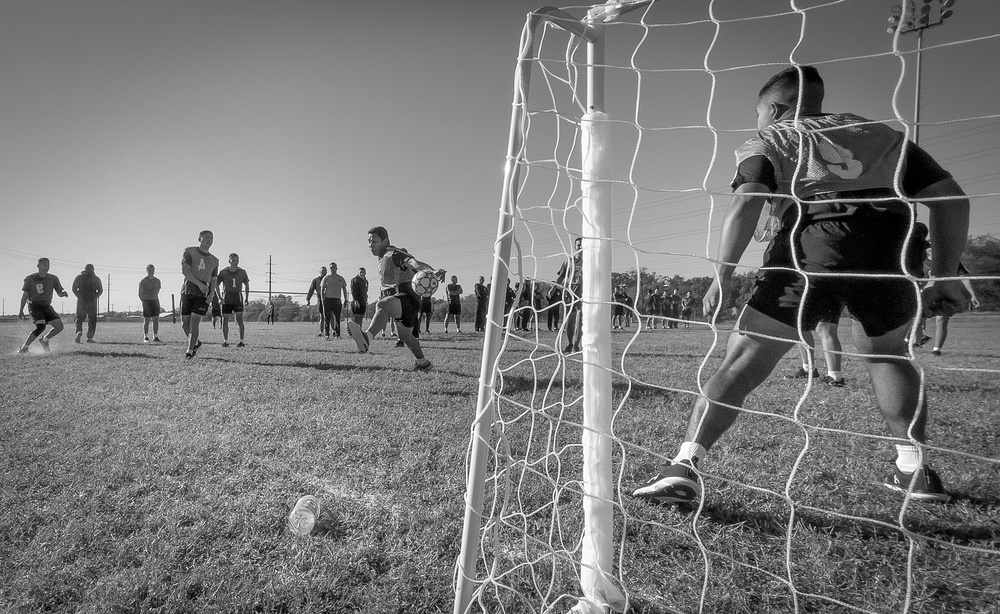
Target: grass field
135, 481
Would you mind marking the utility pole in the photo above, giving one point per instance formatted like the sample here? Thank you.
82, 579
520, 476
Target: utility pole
108, 291
269, 263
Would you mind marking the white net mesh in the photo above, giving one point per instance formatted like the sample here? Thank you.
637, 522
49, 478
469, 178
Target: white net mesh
794, 516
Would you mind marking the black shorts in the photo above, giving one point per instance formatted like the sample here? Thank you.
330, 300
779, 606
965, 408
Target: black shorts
410, 309
150, 307
453, 309
865, 245
42, 313
193, 305
228, 308
427, 305
359, 307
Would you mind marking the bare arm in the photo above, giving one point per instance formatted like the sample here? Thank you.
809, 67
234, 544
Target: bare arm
737, 231
24, 301
949, 228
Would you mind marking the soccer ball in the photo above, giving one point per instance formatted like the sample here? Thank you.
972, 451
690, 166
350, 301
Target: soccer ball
425, 284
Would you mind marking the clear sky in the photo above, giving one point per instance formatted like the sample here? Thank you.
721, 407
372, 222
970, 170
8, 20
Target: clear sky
290, 128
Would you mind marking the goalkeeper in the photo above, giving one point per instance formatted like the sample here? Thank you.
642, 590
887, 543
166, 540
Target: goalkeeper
847, 218
397, 300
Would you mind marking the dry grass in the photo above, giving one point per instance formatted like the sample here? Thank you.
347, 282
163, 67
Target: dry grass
134, 481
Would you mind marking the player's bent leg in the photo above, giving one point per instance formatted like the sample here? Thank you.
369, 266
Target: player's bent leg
895, 380
751, 356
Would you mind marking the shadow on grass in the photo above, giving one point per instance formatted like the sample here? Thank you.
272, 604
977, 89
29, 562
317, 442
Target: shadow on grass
955, 532
117, 354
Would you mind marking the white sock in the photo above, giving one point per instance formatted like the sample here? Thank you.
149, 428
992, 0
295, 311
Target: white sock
806, 368
690, 451
834, 375
937, 349
907, 457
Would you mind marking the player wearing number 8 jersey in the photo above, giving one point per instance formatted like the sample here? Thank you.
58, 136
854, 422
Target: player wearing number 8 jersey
837, 209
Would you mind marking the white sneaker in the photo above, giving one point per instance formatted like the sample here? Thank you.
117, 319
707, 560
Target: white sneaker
145, 339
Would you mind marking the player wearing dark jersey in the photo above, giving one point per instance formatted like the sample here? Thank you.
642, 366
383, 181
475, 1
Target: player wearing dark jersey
235, 285
838, 209
482, 304
314, 288
37, 294
201, 274
359, 296
149, 295
454, 292
87, 288
397, 300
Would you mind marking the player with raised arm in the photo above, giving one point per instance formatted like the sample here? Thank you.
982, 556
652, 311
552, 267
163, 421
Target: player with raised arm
846, 217
149, 296
37, 294
397, 300
235, 284
201, 275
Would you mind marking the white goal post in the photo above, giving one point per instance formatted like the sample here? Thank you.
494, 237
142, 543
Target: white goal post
560, 437
597, 581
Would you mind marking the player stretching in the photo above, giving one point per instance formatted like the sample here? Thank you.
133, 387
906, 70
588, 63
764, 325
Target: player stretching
847, 165
37, 293
236, 293
397, 300
201, 276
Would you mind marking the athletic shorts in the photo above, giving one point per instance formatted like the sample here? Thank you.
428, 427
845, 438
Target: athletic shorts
358, 307
427, 305
150, 307
870, 245
454, 310
228, 308
411, 309
191, 304
42, 313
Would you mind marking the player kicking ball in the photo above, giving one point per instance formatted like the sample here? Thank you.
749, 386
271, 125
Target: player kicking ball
397, 300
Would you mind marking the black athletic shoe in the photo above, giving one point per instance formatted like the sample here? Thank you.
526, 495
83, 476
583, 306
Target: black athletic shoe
836, 383
675, 484
926, 484
801, 373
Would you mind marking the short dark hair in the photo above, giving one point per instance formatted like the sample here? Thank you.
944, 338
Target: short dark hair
380, 232
787, 82
234, 254
205, 232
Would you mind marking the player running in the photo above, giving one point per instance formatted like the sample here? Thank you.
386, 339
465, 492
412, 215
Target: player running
846, 218
397, 300
37, 294
235, 285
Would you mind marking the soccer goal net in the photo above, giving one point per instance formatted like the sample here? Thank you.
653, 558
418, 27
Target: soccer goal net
623, 124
